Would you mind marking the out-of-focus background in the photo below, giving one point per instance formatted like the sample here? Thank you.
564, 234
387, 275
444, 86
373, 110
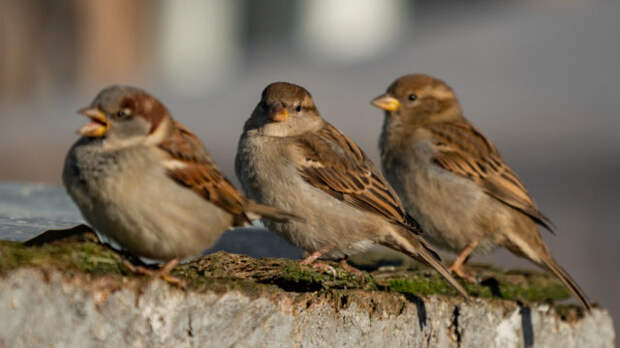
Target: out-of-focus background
539, 77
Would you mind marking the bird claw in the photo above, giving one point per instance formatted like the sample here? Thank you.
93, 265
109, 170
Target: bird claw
322, 266
460, 271
172, 280
162, 273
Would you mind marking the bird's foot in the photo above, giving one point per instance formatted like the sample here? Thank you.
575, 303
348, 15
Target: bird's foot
320, 266
163, 272
310, 258
325, 267
459, 270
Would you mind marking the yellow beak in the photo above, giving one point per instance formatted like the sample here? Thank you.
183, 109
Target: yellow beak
386, 102
278, 113
98, 124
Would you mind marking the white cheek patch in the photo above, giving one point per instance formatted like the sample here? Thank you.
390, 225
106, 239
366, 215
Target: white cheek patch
160, 133
112, 143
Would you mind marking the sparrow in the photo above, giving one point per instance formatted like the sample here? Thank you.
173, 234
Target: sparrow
289, 157
453, 180
144, 182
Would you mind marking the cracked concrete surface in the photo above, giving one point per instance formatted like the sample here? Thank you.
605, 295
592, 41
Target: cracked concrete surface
47, 308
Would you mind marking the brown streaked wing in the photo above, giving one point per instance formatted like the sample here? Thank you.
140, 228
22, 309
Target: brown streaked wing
198, 172
336, 165
465, 151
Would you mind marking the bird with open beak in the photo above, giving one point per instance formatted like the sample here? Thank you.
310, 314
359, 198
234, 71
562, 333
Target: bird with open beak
291, 158
453, 180
144, 182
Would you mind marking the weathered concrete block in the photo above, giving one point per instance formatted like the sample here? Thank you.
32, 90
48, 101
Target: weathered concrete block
77, 293
45, 309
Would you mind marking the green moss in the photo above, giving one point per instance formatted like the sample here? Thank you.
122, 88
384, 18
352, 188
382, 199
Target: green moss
525, 286
222, 272
420, 287
84, 256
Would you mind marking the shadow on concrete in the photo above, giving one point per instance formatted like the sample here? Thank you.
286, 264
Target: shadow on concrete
526, 325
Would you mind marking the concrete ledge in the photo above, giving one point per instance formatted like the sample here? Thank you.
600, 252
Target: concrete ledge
75, 292
44, 308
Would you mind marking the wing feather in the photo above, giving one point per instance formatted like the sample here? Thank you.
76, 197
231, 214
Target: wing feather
465, 151
190, 165
336, 165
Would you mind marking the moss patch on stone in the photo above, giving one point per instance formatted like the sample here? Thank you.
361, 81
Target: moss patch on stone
269, 277
73, 255
525, 287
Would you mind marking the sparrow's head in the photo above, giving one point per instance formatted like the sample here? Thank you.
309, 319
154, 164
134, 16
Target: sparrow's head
123, 114
419, 98
285, 109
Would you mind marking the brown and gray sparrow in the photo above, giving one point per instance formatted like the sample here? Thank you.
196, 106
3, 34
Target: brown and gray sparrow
453, 180
147, 184
291, 158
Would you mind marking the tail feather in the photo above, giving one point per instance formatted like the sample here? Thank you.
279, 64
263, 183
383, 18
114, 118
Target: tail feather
256, 211
416, 247
533, 248
568, 281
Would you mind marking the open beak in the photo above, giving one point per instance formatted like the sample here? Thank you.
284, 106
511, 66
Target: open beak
98, 123
386, 102
278, 113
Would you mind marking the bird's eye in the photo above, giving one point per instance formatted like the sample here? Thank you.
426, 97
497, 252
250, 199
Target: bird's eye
298, 108
413, 97
123, 113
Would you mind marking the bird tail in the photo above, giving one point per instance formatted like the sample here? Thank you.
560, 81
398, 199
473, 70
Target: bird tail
536, 250
568, 281
416, 247
256, 211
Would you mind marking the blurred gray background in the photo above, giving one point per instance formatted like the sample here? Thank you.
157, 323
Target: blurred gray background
539, 77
